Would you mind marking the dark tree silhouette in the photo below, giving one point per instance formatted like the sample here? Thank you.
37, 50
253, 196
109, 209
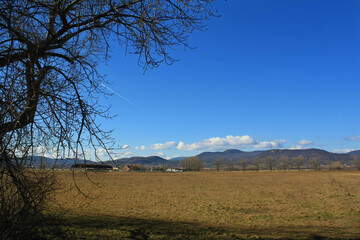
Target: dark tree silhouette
49, 83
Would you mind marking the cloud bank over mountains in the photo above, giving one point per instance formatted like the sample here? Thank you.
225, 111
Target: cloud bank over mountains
302, 144
217, 143
343, 150
163, 146
237, 142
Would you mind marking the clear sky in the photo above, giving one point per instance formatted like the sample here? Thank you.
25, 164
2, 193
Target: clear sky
266, 74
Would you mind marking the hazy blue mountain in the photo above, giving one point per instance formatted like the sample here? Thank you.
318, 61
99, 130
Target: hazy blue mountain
177, 158
322, 155
356, 152
208, 157
152, 160
236, 155
233, 154
36, 161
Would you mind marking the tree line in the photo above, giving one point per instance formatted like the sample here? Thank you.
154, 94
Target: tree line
268, 163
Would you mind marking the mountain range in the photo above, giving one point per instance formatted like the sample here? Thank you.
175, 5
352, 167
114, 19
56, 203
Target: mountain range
237, 155
209, 157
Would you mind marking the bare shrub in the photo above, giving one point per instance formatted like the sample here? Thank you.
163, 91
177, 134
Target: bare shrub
23, 195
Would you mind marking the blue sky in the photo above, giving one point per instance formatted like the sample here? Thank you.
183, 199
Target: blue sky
266, 74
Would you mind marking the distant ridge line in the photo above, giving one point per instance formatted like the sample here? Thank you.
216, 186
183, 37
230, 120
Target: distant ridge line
235, 155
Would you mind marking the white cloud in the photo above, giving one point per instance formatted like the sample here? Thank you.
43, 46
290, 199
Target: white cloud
160, 154
47, 152
181, 146
163, 155
270, 144
302, 144
42, 150
140, 148
305, 142
125, 146
123, 154
293, 147
217, 143
163, 146
355, 138
127, 154
343, 150
100, 152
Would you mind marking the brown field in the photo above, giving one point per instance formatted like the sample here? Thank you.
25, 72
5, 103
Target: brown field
212, 205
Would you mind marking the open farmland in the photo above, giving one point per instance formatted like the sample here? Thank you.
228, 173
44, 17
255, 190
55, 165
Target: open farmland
215, 205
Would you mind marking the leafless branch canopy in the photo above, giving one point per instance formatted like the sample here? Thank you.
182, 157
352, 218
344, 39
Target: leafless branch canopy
49, 84
48, 56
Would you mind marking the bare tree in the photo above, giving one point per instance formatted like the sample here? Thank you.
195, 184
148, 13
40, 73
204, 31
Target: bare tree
48, 57
356, 162
218, 163
23, 195
314, 163
257, 162
337, 165
298, 162
185, 164
230, 165
269, 163
243, 164
49, 83
192, 164
43, 163
330, 165
284, 162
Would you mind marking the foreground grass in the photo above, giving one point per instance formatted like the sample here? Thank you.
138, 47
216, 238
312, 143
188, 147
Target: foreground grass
109, 227
211, 205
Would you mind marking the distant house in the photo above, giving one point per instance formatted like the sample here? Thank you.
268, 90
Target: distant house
173, 170
93, 167
131, 168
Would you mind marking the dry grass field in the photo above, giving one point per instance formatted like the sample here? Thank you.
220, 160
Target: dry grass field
211, 205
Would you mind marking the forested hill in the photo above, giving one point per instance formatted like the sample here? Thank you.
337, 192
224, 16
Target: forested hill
237, 155
321, 155
232, 154
356, 152
152, 160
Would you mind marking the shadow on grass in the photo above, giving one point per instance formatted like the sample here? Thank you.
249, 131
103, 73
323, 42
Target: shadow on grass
109, 227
